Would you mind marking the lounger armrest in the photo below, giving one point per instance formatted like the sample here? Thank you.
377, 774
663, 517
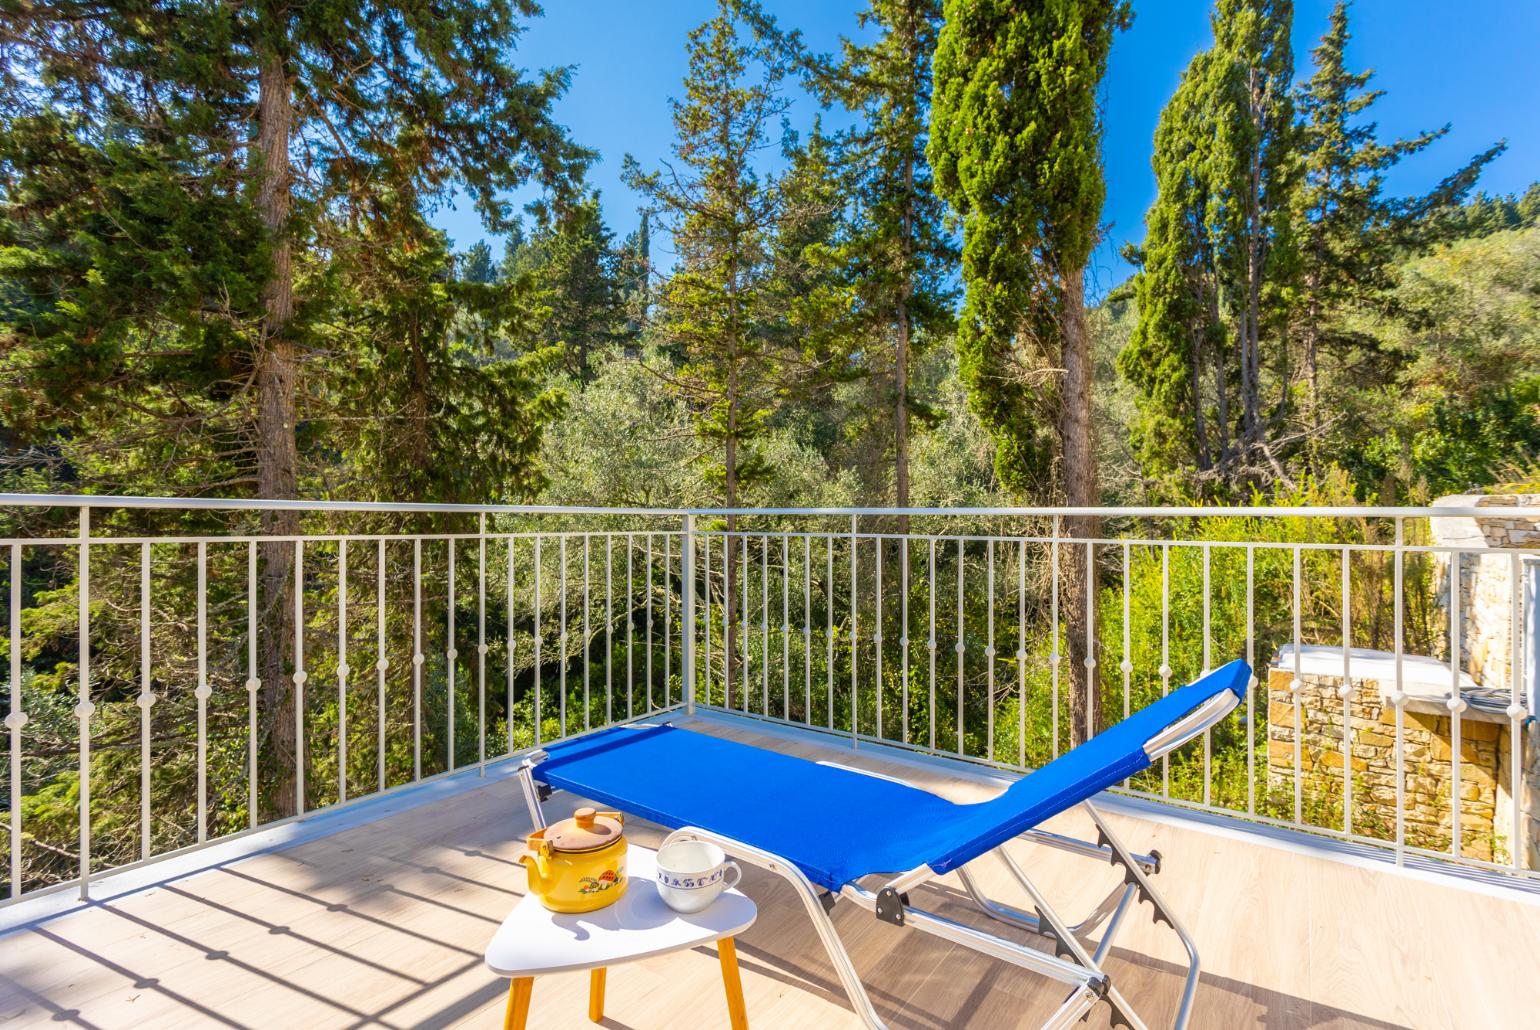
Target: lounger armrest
1202, 718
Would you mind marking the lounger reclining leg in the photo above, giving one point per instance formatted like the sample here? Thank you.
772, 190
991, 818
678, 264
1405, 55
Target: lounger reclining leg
1086, 990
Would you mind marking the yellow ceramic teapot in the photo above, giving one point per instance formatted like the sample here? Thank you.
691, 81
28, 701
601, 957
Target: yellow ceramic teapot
578, 864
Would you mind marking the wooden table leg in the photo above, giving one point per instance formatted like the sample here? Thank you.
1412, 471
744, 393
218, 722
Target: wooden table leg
727, 952
596, 995
519, 990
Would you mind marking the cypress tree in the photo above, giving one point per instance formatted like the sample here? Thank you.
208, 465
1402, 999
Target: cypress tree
1016, 150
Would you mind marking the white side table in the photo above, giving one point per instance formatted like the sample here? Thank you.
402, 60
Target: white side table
534, 941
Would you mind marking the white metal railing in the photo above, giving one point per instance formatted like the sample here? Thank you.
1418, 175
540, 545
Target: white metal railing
939, 630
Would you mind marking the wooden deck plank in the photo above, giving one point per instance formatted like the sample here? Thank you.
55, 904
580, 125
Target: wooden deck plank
383, 924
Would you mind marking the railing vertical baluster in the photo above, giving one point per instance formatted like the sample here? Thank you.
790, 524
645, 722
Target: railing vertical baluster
668, 590
1296, 686
705, 611
481, 645
1208, 663
146, 700
743, 631
807, 629
1251, 693
381, 663
829, 632
201, 692
1165, 646
451, 658
1399, 698
854, 634
647, 612
561, 637
418, 658
727, 617
1090, 641
300, 676
687, 614
1345, 691
931, 642
609, 628
630, 627
15, 719
786, 626
764, 623
903, 639
253, 685
989, 653
1021, 653
587, 638
1053, 627
342, 670
1127, 664
83, 707
877, 629
1516, 711
961, 646
538, 645
1456, 705
509, 643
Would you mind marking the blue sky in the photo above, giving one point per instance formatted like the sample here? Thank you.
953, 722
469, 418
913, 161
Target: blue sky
1468, 64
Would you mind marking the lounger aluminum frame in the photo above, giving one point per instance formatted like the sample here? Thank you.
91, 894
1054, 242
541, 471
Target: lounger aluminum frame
1075, 961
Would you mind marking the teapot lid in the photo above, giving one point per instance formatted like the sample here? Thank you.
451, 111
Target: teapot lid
587, 830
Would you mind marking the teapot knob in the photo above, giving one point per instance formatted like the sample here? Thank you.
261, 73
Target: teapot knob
584, 817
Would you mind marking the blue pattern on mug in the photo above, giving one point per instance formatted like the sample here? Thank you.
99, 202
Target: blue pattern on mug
690, 882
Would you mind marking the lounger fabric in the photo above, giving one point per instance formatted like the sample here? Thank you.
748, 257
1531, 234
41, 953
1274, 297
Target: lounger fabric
837, 825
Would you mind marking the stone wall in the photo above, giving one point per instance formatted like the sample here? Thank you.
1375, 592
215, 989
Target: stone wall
1485, 798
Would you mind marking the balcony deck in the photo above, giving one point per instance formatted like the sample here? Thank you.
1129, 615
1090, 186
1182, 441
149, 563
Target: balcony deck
382, 923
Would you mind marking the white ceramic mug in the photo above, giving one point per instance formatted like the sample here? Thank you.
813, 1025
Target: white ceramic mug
692, 874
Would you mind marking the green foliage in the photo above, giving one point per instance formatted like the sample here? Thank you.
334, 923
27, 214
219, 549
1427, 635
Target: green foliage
1465, 404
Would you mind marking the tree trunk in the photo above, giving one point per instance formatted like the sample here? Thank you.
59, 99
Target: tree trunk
276, 449
1077, 448
1200, 427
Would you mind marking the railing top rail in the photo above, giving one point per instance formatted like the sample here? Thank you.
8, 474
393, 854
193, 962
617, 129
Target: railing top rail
254, 504
26, 500
1148, 511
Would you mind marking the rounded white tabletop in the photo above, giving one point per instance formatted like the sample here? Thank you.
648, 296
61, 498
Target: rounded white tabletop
534, 940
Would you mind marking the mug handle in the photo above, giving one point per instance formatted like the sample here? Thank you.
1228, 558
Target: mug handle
730, 868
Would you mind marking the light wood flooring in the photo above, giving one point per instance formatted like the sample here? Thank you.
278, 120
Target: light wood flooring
384, 924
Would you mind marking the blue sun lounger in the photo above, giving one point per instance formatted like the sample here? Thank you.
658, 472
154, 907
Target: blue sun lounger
793, 817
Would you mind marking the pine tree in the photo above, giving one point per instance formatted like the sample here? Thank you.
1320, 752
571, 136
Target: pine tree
1016, 149
476, 264
574, 282
900, 254
1348, 233
249, 146
713, 311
